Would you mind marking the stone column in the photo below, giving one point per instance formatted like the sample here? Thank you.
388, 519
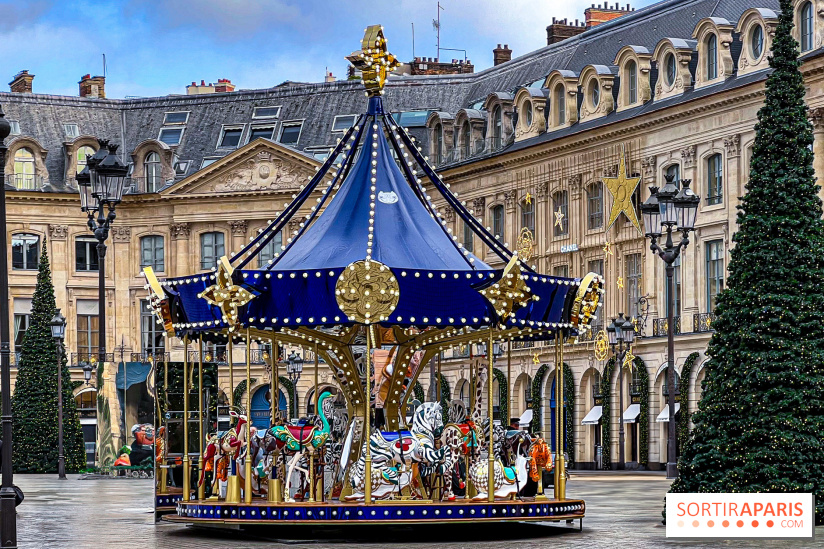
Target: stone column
122, 271
817, 119
478, 210
180, 246
59, 259
512, 225
238, 227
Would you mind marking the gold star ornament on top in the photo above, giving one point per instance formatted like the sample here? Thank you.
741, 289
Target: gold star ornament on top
622, 188
373, 60
225, 294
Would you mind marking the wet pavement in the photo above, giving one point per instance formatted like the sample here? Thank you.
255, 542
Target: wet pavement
623, 510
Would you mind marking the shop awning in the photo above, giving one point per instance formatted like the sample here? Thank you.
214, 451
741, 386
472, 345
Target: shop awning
631, 414
664, 415
593, 416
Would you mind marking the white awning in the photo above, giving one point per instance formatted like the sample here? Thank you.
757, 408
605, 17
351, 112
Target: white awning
664, 415
631, 414
593, 416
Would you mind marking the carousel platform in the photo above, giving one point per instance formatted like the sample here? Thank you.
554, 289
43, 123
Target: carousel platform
389, 512
167, 503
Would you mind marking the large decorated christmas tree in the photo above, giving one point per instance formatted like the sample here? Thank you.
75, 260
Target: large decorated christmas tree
34, 404
760, 422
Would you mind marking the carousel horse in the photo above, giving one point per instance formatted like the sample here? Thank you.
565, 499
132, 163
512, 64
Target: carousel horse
263, 445
392, 451
298, 439
222, 449
508, 480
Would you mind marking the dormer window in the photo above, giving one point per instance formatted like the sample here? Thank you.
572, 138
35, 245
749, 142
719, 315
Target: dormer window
528, 113
497, 126
229, 137
170, 136
560, 105
632, 81
71, 130
712, 57
266, 112
670, 69
176, 118
757, 41
594, 93
806, 26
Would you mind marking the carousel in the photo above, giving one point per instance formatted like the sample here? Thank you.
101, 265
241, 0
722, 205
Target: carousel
376, 283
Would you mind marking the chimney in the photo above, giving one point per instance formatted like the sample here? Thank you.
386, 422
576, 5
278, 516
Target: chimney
329, 77
598, 14
561, 29
93, 86
21, 83
224, 85
501, 55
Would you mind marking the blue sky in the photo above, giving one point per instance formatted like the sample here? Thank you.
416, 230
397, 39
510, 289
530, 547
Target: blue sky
157, 47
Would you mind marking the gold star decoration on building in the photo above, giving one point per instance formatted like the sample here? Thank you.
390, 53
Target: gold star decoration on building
225, 294
608, 248
559, 217
373, 60
629, 359
528, 198
622, 188
535, 359
621, 282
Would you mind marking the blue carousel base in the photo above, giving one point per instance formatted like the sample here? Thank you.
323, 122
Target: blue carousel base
215, 512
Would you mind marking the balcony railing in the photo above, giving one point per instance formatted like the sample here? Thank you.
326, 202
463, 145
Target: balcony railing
478, 147
151, 357
522, 345
25, 182
660, 326
590, 335
702, 322
219, 356
143, 185
88, 357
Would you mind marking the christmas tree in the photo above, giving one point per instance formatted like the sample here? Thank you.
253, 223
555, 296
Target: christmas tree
759, 424
34, 404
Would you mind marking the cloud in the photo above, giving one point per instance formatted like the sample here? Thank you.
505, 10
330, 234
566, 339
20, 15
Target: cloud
17, 14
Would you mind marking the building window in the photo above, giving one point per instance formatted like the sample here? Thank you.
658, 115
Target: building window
21, 324
632, 82
715, 271
438, 152
497, 126
676, 282
85, 253
715, 179
528, 113
343, 122
15, 127
176, 118
560, 203
290, 133
71, 130
151, 170
670, 69
594, 92
82, 153
267, 252
262, 132
151, 333
560, 103
712, 57
468, 238
595, 205
151, 252
561, 271
498, 221
266, 112
528, 216
25, 252
87, 335
674, 171
230, 137
633, 283
170, 136
212, 248
757, 42
466, 140
24, 169
806, 26
209, 161
596, 266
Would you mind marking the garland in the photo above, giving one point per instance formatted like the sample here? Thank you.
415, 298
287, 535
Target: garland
569, 435
643, 428
684, 419
287, 384
420, 395
240, 390
446, 397
503, 396
535, 425
606, 416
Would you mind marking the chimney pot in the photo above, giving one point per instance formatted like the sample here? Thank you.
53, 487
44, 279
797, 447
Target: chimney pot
21, 83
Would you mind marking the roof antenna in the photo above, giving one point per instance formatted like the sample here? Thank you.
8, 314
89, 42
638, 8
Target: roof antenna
104, 65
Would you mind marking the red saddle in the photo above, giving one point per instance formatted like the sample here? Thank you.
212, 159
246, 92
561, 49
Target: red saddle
302, 434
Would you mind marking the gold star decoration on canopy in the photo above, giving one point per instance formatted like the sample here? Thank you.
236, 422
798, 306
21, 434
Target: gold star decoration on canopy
559, 217
373, 60
622, 188
225, 294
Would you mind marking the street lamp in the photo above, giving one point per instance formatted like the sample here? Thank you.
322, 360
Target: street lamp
101, 185
294, 367
58, 331
673, 210
621, 334
8, 515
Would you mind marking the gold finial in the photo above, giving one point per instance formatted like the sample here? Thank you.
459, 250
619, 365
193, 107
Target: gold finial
373, 60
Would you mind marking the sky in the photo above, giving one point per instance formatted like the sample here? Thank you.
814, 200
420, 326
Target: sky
157, 47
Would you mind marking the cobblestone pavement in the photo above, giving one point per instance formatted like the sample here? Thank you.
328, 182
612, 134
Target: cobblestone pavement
623, 510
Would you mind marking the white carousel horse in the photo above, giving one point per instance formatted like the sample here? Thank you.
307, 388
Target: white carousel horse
508, 480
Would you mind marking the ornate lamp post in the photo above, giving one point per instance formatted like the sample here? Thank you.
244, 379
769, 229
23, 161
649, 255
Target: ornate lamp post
58, 331
8, 515
101, 185
621, 333
294, 367
672, 210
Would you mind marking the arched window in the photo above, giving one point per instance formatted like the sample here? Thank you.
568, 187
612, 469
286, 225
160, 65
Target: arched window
497, 127
712, 57
151, 252
82, 153
528, 114
757, 41
468, 238
560, 211
594, 92
466, 140
675, 171
560, 102
528, 215
438, 141
632, 82
670, 68
715, 179
212, 248
267, 253
806, 16
595, 205
24, 169
498, 221
151, 169
25, 252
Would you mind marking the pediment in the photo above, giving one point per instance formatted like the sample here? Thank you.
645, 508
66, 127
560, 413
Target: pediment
258, 167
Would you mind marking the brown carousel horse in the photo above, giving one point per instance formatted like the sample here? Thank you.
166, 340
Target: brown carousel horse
222, 449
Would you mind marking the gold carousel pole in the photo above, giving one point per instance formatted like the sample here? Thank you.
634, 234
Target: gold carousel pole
229, 350
509, 385
312, 487
247, 485
187, 489
201, 489
368, 468
490, 489
232, 480
164, 467
274, 494
561, 422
